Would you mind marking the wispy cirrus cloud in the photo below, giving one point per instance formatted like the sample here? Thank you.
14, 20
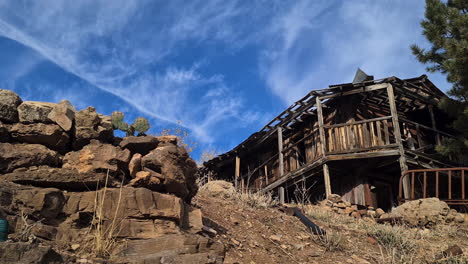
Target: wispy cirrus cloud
125, 48
324, 42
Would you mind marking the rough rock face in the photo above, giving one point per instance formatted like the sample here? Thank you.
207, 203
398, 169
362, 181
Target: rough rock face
135, 165
49, 135
28, 253
4, 132
141, 145
98, 157
174, 167
14, 156
9, 102
65, 179
63, 114
423, 212
171, 249
90, 125
31, 112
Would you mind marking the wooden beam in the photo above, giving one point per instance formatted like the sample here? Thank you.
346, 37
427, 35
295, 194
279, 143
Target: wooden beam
237, 172
363, 155
280, 151
398, 139
357, 90
326, 179
431, 112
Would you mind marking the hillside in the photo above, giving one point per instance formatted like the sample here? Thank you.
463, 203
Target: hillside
255, 230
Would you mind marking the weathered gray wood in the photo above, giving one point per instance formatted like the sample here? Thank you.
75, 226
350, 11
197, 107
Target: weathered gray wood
363, 155
397, 133
281, 194
357, 90
360, 122
280, 152
326, 179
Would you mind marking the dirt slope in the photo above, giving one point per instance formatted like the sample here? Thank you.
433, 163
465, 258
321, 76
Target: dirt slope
266, 235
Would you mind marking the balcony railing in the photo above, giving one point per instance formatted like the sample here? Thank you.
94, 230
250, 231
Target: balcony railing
365, 135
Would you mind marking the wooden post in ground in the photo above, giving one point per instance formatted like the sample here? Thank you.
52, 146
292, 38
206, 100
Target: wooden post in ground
433, 122
281, 194
398, 139
326, 172
237, 173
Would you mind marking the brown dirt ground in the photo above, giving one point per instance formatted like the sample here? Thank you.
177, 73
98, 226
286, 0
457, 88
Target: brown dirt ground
249, 237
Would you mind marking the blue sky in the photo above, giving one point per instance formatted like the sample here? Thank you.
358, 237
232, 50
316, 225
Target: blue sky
222, 69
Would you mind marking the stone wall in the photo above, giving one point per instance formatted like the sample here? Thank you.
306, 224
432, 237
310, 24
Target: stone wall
63, 174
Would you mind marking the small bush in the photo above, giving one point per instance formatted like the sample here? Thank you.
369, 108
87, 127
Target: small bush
332, 241
255, 200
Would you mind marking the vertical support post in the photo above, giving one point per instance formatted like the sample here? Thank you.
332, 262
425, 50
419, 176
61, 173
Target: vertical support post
463, 183
280, 151
326, 179
237, 172
326, 172
397, 133
281, 194
266, 175
431, 112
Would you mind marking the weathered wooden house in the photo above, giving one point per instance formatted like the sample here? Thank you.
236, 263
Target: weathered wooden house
356, 140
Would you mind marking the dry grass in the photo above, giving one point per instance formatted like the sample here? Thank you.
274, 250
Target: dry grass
103, 234
331, 241
255, 200
398, 244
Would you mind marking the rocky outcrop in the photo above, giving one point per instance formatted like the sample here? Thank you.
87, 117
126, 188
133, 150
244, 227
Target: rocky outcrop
98, 157
49, 135
9, 102
221, 189
63, 115
90, 125
66, 182
35, 112
174, 167
13, 156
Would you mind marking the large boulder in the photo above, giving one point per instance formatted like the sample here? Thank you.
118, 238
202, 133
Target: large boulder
90, 125
174, 167
220, 189
422, 212
14, 156
49, 135
63, 114
33, 112
9, 102
60, 178
98, 157
141, 145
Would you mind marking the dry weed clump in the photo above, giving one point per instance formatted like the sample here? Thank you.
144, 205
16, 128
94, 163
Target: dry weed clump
255, 199
399, 243
331, 241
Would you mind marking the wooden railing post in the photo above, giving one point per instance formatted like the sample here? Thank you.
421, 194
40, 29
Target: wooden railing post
326, 172
398, 139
